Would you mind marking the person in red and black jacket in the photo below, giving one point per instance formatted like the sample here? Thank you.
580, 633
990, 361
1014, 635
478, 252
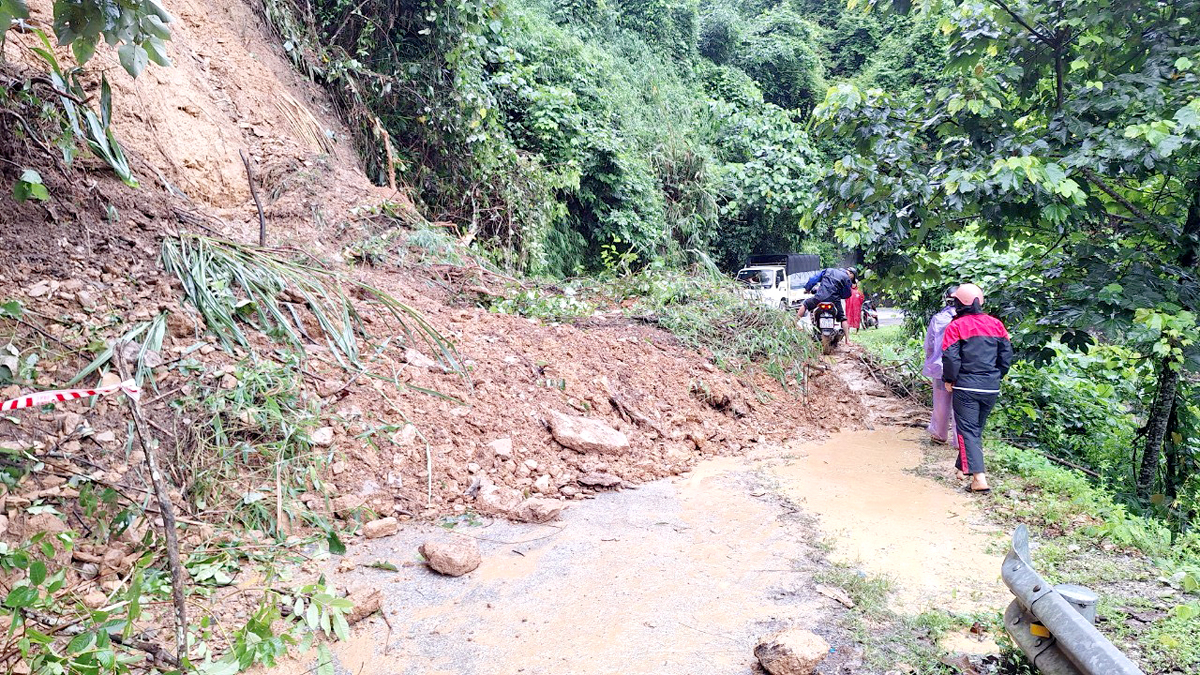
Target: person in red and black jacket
976, 355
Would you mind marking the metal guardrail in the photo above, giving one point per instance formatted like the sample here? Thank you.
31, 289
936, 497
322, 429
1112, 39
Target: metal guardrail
1053, 624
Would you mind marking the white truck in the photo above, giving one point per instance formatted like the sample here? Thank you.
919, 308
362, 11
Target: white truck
777, 279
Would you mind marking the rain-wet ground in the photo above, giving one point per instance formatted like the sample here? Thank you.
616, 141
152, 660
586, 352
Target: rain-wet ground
681, 576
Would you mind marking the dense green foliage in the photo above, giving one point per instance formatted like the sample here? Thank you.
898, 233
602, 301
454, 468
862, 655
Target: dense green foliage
576, 137
1068, 140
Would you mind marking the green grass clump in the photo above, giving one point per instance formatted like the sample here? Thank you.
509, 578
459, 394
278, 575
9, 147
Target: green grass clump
706, 311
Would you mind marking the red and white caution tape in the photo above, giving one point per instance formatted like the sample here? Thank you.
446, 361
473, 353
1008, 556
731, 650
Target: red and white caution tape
43, 397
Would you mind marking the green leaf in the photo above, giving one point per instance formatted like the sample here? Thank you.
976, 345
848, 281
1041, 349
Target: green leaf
81, 643
133, 58
21, 596
11, 309
37, 573
1183, 63
384, 565
83, 49
340, 628
336, 547
324, 660
156, 51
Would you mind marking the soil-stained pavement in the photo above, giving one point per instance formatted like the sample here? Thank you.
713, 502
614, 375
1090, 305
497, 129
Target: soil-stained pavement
679, 576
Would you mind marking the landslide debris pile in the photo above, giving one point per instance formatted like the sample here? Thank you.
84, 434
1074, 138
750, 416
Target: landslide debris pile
284, 437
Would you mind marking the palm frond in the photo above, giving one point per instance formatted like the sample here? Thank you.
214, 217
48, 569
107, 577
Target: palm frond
233, 285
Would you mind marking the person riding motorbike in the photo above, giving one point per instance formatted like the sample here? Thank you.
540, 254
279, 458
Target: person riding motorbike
833, 285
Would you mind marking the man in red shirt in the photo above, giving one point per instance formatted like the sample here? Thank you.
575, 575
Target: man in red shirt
976, 355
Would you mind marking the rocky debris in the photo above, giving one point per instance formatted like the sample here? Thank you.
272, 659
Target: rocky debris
599, 479
836, 594
502, 448
453, 558
95, 600
793, 651
322, 437
366, 601
384, 527
499, 501
539, 510
39, 289
583, 434
406, 436
343, 505
542, 484
419, 360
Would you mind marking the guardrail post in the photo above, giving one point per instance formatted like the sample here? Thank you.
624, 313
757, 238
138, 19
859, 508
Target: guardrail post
1053, 624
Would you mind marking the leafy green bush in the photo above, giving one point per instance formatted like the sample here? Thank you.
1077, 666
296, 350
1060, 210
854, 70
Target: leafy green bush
1076, 406
778, 52
706, 310
720, 33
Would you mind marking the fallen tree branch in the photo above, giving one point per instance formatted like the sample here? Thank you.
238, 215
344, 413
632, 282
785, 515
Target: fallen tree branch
167, 512
65, 627
262, 220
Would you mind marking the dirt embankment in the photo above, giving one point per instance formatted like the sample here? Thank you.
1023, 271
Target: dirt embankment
84, 265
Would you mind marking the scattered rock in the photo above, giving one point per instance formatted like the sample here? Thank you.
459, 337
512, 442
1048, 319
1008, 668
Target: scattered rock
472, 467
39, 289
496, 500
86, 300
836, 594
110, 379
323, 437
366, 601
419, 360
452, 558
406, 435
69, 422
95, 600
542, 484
228, 381
502, 448
539, 510
583, 434
599, 479
792, 652
338, 467
347, 503
105, 437
384, 527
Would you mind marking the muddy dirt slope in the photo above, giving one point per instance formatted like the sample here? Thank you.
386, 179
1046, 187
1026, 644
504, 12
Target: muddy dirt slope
414, 438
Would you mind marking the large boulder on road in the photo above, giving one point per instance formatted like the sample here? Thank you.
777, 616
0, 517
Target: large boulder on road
453, 558
586, 435
792, 652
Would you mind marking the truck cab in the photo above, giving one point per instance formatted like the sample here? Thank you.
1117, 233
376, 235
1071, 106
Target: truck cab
777, 279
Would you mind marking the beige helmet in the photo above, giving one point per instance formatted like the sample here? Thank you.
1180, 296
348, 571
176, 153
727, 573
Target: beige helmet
968, 295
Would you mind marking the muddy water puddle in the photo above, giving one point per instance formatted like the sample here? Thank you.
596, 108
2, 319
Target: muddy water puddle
677, 577
929, 539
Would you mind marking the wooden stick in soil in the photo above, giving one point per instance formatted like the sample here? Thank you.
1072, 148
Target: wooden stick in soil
166, 511
262, 221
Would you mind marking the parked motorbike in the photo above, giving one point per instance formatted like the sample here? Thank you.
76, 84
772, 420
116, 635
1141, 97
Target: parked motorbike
870, 314
826, 328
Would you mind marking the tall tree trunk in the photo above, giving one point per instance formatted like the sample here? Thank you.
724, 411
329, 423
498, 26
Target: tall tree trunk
1174, 473
1156, 426
1191, 231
